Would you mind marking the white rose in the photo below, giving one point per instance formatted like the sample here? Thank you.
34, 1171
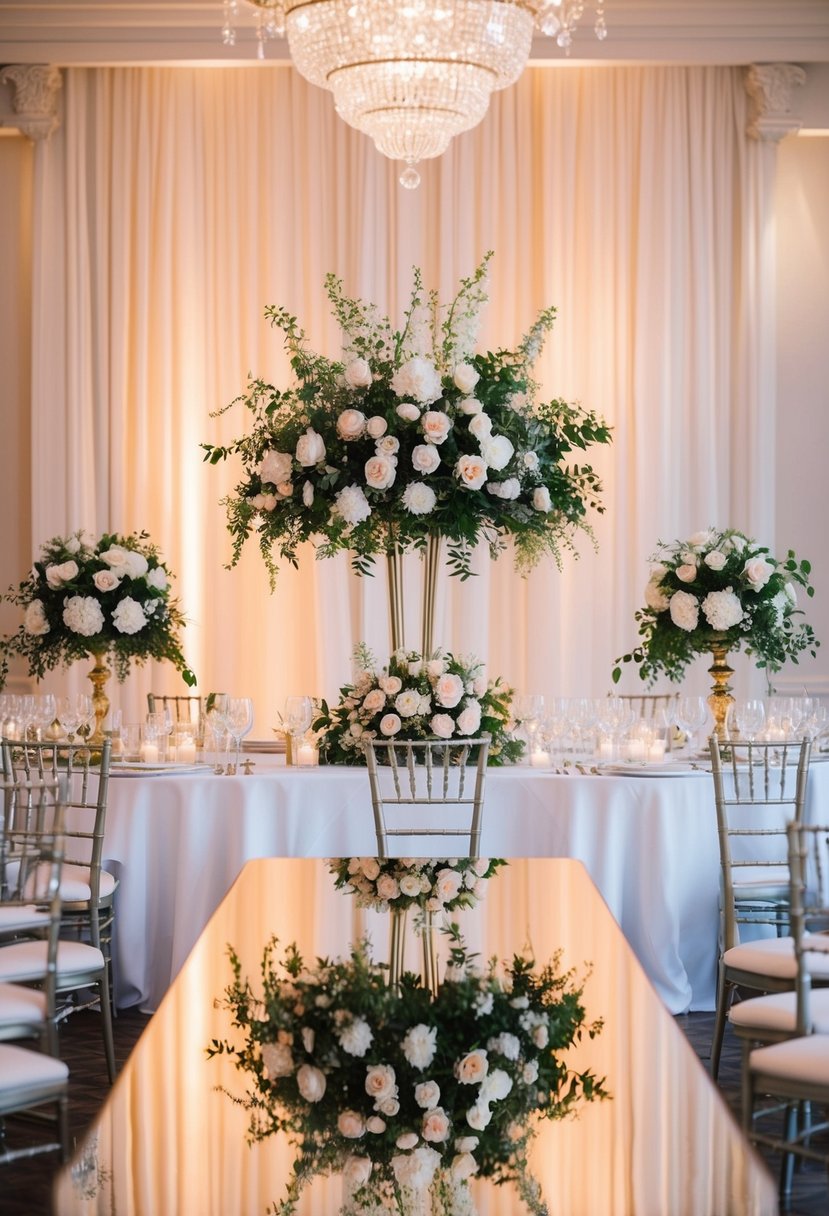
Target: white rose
370, 866
529, 1074
472, 1068
115, 556
351, 424
506, 1045
82, 614
351, 1124
447, 885
435, 668
388, 445
449, 690
380, 1082
541, 1035
380, 471
425, 457
419, 1045
356, 1037
358, 374
352, 505
374, 700
427, 1094
59, 576
407, 702
375, 1125
419, 499
105, 580
469, 719
275, 467
388, 887
466, 1144
277, 1059
435, 1126
479, 1116
541, 499
389, 725
408, 412
356, 1172
530, 461
722, 609
509, 489
417, 378
407, 1141
465, 377
686, 573
470, 405
136, 564
410, 885
376, 426
415, 667
416, 1170
34, 620
129, 616
655, 597
481, 426
72, 545
436, 425
715, 560
757, 572
442, 726
310, 449
463, 1166
496, 1084
311, 1082
390, 685
737, 542
389, 1107
308, 493
701, 540
497, 451
155, 578
471, 471
684, 610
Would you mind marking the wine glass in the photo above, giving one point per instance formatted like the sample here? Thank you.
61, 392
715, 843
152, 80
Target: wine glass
43, 715
749, 717
72, 713
239, 720
528, 710
691, 716
299, 712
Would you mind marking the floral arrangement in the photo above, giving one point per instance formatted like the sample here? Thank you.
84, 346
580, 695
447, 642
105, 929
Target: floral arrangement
444, 697
400, 1092
444, 884
720, 586
412, 434
86, 596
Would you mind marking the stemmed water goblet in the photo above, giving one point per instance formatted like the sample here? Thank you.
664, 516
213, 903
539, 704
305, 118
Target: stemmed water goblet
73, 714
528, 710
749, 717
238, 720
43, 715
299, 712
691, 717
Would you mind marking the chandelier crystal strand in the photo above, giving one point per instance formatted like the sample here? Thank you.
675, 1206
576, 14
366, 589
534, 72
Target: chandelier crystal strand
412, 75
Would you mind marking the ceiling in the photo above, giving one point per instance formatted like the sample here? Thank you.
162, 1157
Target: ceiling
187, 31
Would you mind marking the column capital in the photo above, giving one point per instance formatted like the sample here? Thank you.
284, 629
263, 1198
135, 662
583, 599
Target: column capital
35, 98
770, 87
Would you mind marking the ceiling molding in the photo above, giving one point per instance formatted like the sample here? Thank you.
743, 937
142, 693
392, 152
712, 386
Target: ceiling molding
187, 31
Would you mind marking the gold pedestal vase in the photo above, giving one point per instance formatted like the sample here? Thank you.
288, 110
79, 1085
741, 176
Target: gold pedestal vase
99, 675
720, 699
432, 555
425, 929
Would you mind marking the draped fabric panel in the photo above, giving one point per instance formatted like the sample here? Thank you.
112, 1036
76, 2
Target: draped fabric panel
174, 204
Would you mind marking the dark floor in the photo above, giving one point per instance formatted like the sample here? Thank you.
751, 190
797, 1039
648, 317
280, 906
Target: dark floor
25, 1187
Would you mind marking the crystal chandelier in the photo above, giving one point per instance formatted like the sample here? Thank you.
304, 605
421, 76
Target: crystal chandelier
412, 75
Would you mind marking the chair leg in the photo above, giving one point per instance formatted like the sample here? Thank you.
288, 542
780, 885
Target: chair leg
725, 992
746, 1089
106, 1016
788, 1160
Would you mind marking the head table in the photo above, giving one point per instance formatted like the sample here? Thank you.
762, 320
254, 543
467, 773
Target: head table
168, 1143
649, 842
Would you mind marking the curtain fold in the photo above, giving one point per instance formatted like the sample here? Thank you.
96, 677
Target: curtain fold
174, 204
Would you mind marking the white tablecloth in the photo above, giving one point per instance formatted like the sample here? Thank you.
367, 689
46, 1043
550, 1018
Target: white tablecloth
650, 844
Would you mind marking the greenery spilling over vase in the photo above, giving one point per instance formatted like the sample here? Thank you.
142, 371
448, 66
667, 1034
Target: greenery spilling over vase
401, 1091
108, 597
442, 697
412, 433
720, 588
426, 884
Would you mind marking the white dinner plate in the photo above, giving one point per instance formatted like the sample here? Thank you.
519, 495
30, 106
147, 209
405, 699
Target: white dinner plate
673, 769
157, 768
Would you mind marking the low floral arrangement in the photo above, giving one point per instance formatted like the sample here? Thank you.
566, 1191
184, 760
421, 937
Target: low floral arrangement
431, 884
720, 587
86, 597
402, 1093
412, 434
444, 697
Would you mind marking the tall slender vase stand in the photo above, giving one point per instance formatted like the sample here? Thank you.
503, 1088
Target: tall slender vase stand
99, 675
720, 699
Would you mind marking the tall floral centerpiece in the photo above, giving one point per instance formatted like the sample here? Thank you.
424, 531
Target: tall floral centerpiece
407, 1094
410, 439
108, 599
716, 592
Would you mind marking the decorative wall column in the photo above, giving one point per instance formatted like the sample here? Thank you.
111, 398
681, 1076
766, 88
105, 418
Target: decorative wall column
35, 99
770, 87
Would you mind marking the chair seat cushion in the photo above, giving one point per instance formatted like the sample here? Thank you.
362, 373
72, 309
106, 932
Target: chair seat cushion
804, 1060
774, 956
778, 1012
26, 1076
19, 918
75, 888
21, 1005
24, 962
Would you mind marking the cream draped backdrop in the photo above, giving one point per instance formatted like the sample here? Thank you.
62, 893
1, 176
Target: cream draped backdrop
174, 204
